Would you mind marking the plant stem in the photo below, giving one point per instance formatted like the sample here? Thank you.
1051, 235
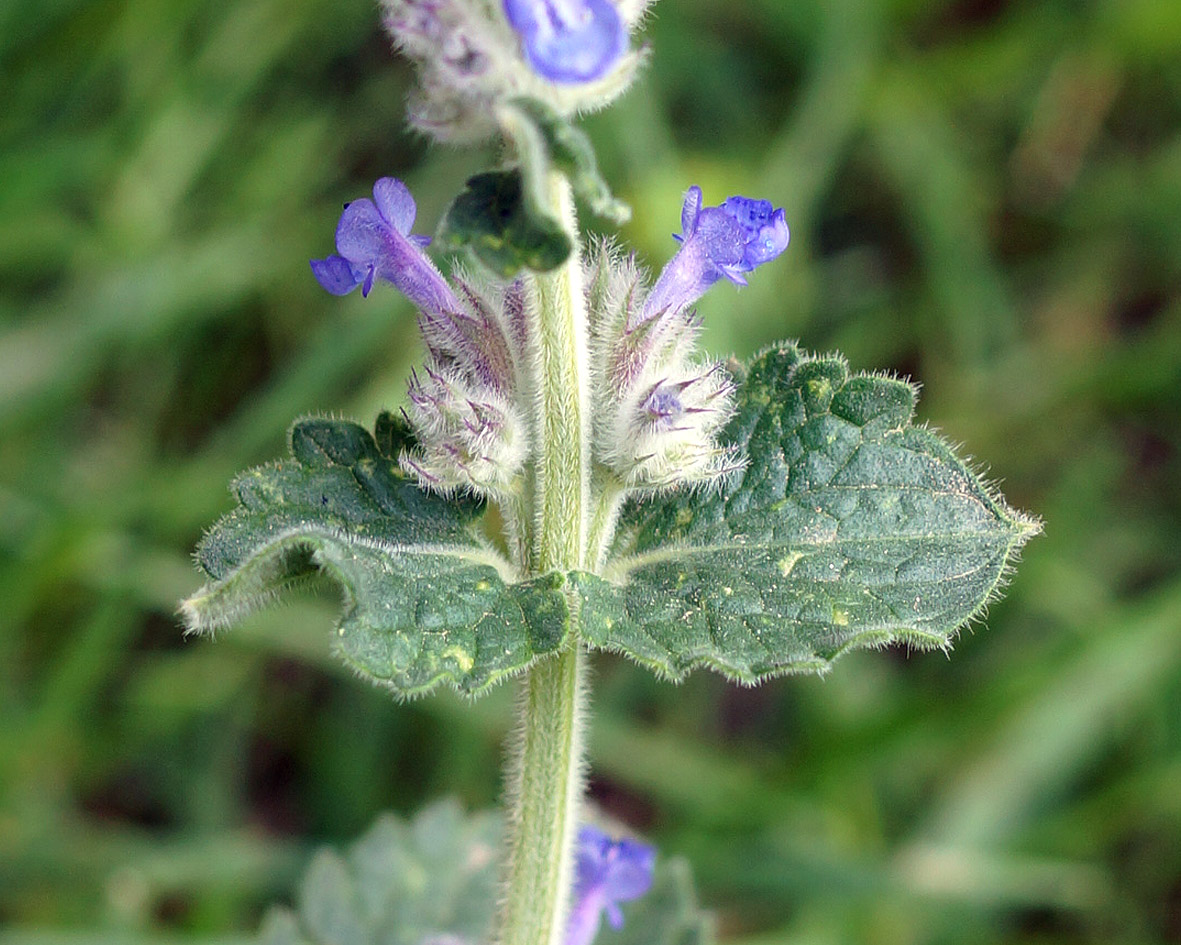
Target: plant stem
608, 494
547, 793
545, 790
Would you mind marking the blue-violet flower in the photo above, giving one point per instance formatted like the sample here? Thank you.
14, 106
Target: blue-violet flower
608, 872
373, 241
727, 240
568, 40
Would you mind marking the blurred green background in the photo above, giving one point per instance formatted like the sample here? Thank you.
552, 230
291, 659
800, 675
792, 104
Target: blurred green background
984, 195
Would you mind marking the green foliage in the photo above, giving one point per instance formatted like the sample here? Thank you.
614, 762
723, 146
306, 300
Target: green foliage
847, 528
435, 881
399, 884
500, 216
985, 197
425, 600
497, 220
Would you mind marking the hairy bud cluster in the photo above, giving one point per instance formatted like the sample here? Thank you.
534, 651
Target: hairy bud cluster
658, 406
473, 54
472, 434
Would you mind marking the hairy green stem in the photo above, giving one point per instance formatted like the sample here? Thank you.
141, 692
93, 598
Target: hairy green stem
608, 494
545, 789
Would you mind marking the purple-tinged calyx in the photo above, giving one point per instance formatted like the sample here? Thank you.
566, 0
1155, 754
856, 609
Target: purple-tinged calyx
373, 241
663, 407
568, 41
724, 241
608, 872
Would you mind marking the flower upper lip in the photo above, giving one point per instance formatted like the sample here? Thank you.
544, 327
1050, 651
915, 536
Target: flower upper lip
608, 872
723, 241
568, 41
373, 241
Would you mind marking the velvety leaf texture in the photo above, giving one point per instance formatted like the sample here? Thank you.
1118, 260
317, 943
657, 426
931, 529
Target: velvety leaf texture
425, 600
848, 527
494, 218
435, 880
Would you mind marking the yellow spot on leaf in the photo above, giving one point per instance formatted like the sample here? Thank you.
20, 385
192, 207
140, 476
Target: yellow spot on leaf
788, 562
461, 656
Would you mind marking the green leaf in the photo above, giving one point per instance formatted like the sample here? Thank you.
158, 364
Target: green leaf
503, 226
399, 884
848, 527
425, 599
436, 880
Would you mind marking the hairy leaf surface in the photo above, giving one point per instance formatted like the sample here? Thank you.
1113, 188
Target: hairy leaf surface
848, 527
496, 218
425, 599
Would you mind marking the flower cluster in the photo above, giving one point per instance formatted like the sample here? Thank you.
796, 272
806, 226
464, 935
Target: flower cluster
659, 408
472, 54
607, 872
462, 405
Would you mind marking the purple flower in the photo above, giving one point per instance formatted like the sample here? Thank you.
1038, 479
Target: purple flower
726, 241
608, 872
373, 241
568, 40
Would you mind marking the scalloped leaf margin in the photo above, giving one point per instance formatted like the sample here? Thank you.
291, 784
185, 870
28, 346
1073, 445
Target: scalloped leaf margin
426, 600
848, 527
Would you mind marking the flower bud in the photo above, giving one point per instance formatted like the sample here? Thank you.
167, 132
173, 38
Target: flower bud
568, 40
658, 407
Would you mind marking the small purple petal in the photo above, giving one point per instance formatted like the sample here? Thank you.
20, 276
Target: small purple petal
629, 870
361, 232
335, 274
608, 872
395, 204
689, 211
663, 406
374, 242
716, 242
568, 40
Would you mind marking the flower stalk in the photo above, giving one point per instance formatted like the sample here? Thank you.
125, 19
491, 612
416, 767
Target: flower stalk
547, 780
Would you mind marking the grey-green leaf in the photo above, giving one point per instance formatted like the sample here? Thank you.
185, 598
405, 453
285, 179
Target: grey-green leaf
849, 527
425, 599
435, 880
496, 219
